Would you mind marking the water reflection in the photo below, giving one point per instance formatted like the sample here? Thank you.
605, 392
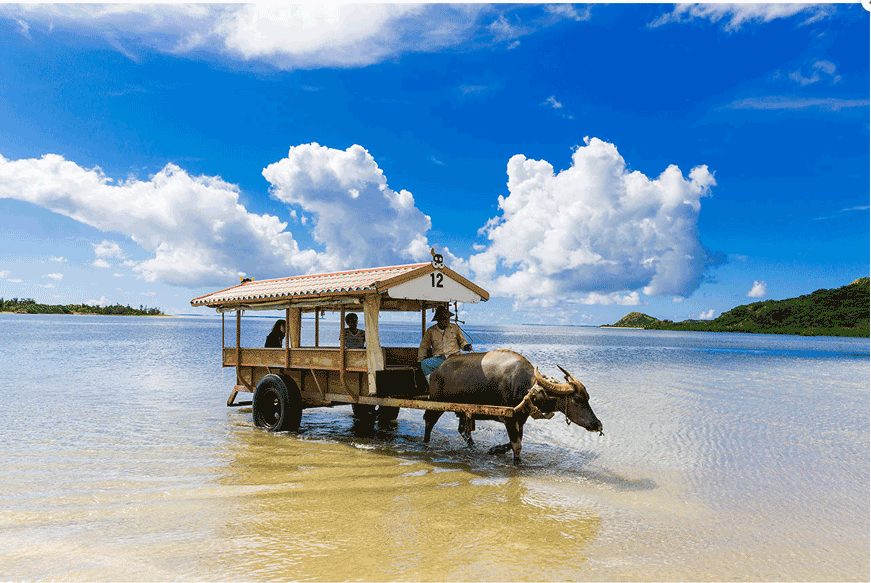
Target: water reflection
725, 457
334, 511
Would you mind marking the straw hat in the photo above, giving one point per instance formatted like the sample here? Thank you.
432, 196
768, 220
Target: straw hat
441, 311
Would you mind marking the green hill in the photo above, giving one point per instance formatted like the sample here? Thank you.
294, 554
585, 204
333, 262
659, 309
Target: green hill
635, 320
29, 306
826, 312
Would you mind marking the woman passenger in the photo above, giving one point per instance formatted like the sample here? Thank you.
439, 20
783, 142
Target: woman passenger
275, 339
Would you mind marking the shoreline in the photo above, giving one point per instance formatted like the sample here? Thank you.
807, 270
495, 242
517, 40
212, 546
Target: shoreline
90, 314
765, 333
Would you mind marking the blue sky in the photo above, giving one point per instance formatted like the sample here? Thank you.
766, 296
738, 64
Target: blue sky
577, 161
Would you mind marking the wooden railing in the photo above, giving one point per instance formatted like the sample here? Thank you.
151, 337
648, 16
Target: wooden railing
312, 358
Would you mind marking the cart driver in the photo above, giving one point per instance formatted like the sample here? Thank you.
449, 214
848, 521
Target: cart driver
444, 338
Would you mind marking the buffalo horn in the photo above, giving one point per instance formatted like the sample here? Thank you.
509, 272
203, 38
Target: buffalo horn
569, 376
553, 388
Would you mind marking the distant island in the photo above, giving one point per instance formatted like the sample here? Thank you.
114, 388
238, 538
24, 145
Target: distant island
826, 312
29, 306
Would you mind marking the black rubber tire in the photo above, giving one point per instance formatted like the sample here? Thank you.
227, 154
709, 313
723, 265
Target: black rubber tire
363, 412
277, 405
387, 414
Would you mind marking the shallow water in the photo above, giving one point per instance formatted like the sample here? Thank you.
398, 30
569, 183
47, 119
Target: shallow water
725, 457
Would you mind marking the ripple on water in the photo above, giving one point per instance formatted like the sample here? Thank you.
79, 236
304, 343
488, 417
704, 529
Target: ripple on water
724, 457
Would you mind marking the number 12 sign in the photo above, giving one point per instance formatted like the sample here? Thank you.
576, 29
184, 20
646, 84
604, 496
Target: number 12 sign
437, 286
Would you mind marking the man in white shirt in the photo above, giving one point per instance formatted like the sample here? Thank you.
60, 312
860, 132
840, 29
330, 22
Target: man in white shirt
444, 338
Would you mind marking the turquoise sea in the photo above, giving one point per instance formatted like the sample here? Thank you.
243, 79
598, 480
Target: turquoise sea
724, 457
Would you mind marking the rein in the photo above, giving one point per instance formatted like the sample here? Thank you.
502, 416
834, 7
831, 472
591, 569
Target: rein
566, 412
527, 403
535, 412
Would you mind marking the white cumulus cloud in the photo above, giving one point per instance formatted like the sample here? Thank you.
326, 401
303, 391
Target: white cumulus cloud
194, 226
290, 36
5, 274
304, 35
709, 315
612, 299
759, 290
595, 231
355, 215
55, 276
199, 234
101, 302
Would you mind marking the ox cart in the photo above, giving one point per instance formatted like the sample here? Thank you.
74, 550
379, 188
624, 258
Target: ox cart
286, 380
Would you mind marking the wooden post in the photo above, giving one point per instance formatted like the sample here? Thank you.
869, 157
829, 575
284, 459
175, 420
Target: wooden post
343, 357
423, 321
294, 325
317, 326
238, 346
287, 338
374, 354
232, 396
342, 344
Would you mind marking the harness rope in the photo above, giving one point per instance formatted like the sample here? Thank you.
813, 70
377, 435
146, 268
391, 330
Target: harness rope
534, 412
526, 403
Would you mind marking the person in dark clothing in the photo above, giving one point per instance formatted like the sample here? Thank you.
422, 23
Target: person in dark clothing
275, 339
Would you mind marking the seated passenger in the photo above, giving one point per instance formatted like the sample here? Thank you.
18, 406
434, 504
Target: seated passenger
444, 338
275, 339
354, 337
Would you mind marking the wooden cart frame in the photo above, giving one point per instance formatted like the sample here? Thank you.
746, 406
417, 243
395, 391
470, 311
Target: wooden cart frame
320, 376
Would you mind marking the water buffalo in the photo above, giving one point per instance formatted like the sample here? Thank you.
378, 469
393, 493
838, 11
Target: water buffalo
505, 378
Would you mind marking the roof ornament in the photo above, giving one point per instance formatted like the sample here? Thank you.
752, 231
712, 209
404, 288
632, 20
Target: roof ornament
438, 261
245, 279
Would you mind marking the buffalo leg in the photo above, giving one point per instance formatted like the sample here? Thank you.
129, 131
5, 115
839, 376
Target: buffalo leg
505, 447
430, 417
515, 435
465, 427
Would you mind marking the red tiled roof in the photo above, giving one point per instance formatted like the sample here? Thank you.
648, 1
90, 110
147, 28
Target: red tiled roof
305, 285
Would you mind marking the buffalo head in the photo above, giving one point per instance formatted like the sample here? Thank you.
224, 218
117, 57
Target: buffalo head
572, 400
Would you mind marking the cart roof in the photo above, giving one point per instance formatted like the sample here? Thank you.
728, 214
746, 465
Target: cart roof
418, 281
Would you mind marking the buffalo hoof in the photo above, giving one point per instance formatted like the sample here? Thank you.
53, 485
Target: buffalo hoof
516, 461
497, 449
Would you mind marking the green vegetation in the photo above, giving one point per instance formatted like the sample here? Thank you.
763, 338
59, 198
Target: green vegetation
636, 320
826, 312
28, 306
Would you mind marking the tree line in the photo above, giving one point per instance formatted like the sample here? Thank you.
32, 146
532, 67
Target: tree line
30, 306
843, 311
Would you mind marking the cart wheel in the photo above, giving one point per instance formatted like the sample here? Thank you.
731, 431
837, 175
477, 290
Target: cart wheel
363, 412
387, 414
277, 405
